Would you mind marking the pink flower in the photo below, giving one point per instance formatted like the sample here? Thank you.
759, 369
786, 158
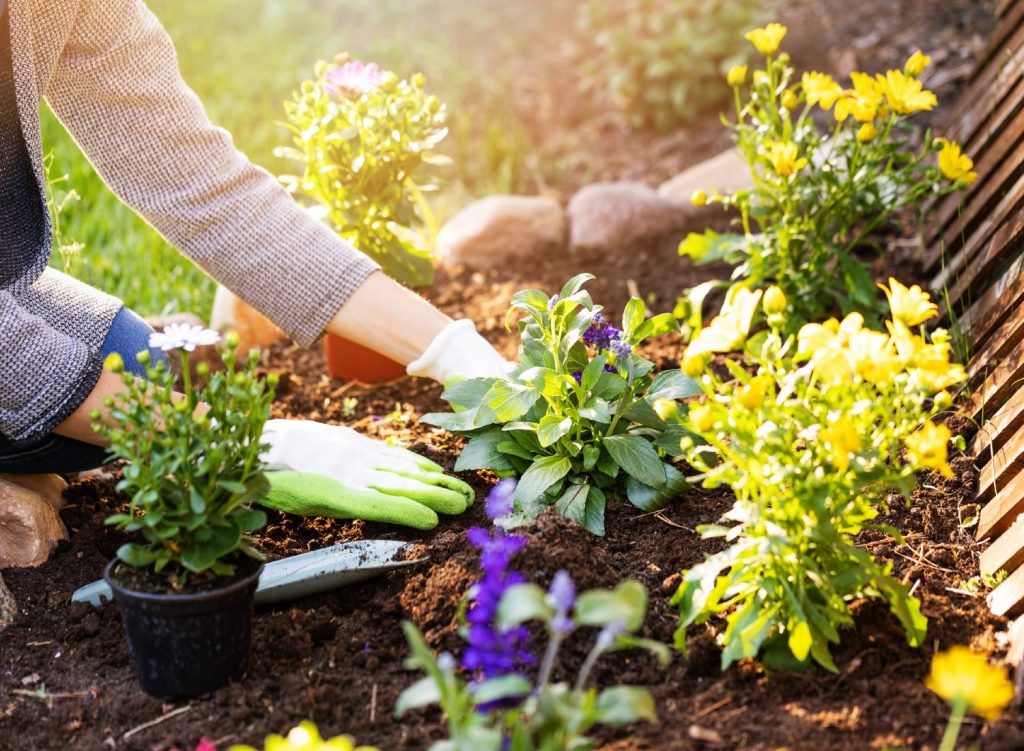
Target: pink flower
205, 744
353, 78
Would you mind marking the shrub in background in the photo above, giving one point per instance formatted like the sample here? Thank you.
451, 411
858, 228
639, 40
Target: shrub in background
810, 442
831, 166
366, 139
575, 416
662, 61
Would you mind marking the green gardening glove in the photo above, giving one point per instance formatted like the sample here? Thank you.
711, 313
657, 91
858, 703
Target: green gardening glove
329, 470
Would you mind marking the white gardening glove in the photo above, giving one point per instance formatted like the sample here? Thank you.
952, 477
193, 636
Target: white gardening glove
329, 470
459, 352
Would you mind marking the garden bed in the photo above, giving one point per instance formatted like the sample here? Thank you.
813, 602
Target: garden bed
337, 658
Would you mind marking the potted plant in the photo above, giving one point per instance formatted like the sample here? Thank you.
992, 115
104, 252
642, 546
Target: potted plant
364, 138
185, 583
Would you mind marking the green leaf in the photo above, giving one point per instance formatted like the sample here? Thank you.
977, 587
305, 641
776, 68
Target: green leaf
711, 246
633, 316
456, 422
672, 384
423, 693
637, 457
522, 603
660, 651
505, 687
541, 475
660, 324
622, 705
551, 429
800, 641
509, 401
482, 452
648, 498
626, 604
135, 555
468, 393
575, 284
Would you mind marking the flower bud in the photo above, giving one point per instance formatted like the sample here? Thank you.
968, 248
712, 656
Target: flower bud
942, 400
699, 198
273, 379
694, 365
760, 78
867, 132
232, 339
95, 415
114, 363
667, 410
108, 402
203, 369
790, 100
702, 418
737, 75
751, 396
775, 302
143, 357
418, 80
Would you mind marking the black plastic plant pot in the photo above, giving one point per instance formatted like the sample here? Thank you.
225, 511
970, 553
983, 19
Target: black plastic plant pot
185, 645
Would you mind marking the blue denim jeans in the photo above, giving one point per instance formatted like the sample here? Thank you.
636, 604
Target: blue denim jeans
128, 336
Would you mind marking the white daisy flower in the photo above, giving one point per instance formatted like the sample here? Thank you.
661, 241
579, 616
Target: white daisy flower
182, 336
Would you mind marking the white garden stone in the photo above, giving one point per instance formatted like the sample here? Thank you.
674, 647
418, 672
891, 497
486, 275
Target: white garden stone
615, 217
231, 313
724, 173
8, 608
30, 524
496, 229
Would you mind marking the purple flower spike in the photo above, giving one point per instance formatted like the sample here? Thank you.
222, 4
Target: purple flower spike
499, 500
620, 349
562, 593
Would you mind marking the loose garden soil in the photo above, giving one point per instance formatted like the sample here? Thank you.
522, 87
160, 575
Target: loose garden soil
338, 658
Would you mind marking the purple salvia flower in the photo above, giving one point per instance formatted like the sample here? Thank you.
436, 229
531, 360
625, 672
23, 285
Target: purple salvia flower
492, 651
620, 349
499, 500
562, 594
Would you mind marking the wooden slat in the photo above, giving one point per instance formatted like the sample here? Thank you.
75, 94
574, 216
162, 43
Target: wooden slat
1001, 468
1003, 5
999, 429
1006, 36
999, 384
998, 346
1007, 552
1007, 599
999, 513
961, 212
986, 250
992, 307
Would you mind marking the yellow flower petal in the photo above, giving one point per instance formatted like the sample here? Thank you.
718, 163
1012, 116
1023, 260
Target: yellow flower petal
960, 675
767, 39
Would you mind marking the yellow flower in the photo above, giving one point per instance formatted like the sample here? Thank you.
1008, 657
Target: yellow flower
927, 448
702, 418
729, 329
752, 395
790, 100
766, 39
694, 364
306, 737
821, 89
912, 306
843, 439
874, 357
737, 75
867, 132
861, 101
965, 678
785, 158
775, 301
916, 64
955, 164
904, 94
699, 198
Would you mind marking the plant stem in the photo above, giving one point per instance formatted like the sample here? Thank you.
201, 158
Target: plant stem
956, 719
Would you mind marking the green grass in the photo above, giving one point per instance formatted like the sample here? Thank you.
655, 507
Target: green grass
245, 57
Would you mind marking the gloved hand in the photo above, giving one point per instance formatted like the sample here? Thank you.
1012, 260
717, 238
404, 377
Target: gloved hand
329, 470
460, 352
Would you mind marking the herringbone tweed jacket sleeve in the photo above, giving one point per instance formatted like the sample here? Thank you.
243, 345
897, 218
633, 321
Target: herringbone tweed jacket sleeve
109, 71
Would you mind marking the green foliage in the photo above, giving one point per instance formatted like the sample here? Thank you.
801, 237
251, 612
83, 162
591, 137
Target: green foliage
823, 188
579, 427
192, 476
662, 61
515, 713
811, 441
364, 152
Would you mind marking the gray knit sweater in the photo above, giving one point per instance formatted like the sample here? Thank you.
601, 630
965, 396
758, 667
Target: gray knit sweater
109, 72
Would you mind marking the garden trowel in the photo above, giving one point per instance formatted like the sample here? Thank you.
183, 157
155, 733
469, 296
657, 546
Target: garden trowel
305, 574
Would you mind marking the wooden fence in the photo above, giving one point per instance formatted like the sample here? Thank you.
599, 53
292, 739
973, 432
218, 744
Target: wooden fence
975, 253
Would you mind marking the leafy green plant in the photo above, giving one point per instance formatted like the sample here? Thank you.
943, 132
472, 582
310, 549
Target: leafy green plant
365, 139
192, 474
822, 190
810, 442
575, 416
662, 61
516, 713
59, 201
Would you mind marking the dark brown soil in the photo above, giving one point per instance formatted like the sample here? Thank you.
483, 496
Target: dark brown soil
337, 658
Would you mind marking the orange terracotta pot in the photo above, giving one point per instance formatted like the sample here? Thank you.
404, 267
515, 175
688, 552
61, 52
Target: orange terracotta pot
354, 362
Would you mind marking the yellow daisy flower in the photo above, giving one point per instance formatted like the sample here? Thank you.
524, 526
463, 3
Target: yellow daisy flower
912, 306
737, 75
785, 158
820, 89
904, 94
843, 440
766, 39
916, 64
955, 164
928, 447
963, 677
